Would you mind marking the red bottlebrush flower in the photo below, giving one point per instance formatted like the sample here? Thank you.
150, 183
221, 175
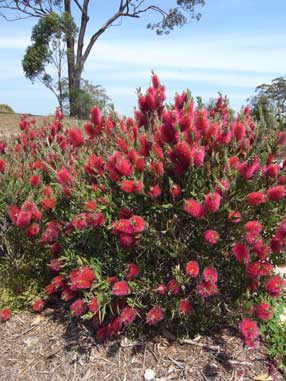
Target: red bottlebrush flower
253, 270
276, 245
274, 286
175, 191
260, 249
5, 314
95, 116
173, 287
47, 191
48, 203
76, 137
249, 331
115, 326
281, 230
56, 264
50, 289
35, 180
192, 269
276, 193
206, 289
264, 311
211, 236
38, 306
241, 253
82, 279
184, 307
254, 227
126, 241
137, 223
2, 165
36, 214
90, 130
51, 234
239, 130
282, 180
194, 208
32, 231
90, 205
58, 281
272, 170
198, 157
140, 164
158, 168
24, 218
93, 305
131, 186
161, 289
125, 213
210, 275
124, 167
155, 315
111, 279
64, 177
13, 212
234, 217
121, 288
67, 294
128, 315
102, 333
222, 187
123, 226
181, 157
132, 271
248, 170
212, 202
156, 81
155, 191
233, 162
256, 198
78, 308
94, 165
266, 269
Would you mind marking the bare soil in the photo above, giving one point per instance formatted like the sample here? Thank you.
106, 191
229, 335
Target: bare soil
48, 348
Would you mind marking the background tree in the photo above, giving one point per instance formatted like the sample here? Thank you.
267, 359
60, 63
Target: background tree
47, 51
271, 97
87, 96
78, 12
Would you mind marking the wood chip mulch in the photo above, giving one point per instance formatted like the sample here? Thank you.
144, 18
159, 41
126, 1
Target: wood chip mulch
45, 348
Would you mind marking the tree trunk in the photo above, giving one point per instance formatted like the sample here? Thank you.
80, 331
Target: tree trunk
73, 86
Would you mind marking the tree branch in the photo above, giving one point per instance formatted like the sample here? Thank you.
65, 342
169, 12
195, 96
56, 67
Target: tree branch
83, 25
123, 11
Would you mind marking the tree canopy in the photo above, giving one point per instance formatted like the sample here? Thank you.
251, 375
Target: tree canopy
69, 16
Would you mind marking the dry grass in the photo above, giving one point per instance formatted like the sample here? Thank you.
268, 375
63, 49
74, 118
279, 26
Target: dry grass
49, 348
9, 123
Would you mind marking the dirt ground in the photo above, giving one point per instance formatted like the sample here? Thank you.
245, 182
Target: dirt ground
47, 348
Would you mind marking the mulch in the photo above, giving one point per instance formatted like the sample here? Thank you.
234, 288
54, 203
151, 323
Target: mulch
47, 347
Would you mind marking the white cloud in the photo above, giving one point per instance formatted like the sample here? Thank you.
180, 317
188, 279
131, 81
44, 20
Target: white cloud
215, 52
14, 42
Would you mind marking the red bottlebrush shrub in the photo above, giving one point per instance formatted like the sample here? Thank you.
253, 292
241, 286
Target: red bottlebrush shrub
160, 216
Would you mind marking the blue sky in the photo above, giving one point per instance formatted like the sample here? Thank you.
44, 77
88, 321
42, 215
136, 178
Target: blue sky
237, 45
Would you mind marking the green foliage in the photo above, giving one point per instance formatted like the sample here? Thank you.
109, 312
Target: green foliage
275, 332
86, 97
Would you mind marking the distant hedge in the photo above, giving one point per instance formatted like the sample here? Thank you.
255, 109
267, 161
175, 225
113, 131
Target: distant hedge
6, 108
